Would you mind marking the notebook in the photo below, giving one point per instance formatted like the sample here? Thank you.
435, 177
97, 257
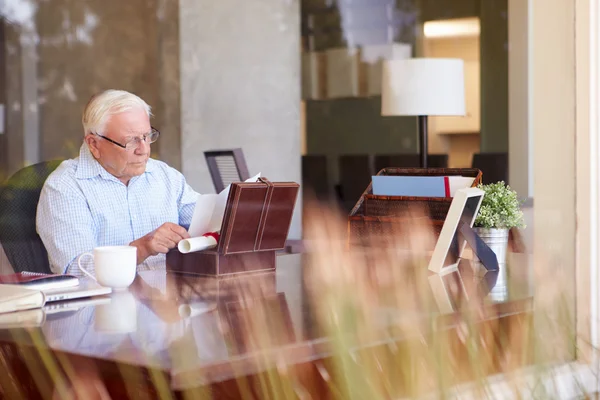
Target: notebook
86, 288
40, 281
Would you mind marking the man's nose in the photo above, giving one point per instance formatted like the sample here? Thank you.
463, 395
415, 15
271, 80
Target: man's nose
142, 148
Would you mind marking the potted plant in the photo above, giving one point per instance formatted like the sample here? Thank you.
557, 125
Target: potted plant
499, 212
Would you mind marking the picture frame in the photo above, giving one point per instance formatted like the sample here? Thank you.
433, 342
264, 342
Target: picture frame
451, 242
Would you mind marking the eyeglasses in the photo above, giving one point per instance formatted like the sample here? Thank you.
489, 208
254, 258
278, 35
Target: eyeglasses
150, 137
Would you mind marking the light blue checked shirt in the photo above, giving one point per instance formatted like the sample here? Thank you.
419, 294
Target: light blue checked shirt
82, 206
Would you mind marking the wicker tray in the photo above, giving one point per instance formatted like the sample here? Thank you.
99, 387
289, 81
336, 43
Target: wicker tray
377, 217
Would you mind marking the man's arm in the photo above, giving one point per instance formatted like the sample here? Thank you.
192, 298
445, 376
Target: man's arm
168, 235
186, 203
65, 224
159, 241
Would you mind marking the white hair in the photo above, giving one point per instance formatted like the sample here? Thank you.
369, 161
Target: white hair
110, 102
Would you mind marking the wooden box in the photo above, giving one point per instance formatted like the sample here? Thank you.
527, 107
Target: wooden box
255, 225
383, 216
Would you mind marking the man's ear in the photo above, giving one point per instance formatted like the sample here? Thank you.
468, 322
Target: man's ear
92, 143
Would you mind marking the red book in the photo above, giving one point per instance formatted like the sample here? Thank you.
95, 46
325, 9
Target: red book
447, 186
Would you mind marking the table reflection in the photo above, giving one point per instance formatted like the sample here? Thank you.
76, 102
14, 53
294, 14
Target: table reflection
471, 285
448, 291
164, 316
185, 324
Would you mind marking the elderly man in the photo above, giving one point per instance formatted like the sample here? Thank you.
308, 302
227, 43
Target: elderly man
114, 193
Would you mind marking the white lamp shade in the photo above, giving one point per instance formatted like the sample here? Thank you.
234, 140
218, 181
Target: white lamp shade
423, 86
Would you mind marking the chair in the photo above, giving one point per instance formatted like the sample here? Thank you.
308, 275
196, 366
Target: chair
409, 161
356, 171
494, 166
315, 178
18, 205
226, 167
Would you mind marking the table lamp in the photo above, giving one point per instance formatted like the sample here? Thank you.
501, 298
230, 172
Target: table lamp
423, 87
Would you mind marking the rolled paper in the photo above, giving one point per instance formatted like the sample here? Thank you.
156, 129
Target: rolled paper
205, 242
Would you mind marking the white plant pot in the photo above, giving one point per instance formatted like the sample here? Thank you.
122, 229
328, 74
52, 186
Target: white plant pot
496, 239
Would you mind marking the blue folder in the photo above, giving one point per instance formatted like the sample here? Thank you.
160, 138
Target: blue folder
418, 186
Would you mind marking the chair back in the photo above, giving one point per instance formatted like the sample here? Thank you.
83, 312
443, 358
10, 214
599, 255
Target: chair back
356, 171
226, 167
315, 177
494, 166
19, 198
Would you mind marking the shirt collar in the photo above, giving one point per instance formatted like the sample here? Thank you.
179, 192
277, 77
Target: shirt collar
89, 167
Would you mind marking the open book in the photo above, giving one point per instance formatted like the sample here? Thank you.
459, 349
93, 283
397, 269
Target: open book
207, 219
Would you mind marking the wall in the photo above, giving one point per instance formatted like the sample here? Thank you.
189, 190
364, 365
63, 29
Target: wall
13, 138
458, 136
520, 147
22, 113
587, 251
3, 140
554, 130
72, 70
81, 49
168, 108
445, 9
494, 61
240, 87
494, 75
355, 126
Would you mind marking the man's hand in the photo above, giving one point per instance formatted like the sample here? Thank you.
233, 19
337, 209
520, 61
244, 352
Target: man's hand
161, 240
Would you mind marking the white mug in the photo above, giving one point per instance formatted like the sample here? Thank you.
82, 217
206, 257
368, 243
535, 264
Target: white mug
115, 265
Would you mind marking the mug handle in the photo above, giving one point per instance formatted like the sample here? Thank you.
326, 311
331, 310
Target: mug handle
83, 269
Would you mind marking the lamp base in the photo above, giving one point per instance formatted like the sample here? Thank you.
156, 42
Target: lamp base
423, 140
